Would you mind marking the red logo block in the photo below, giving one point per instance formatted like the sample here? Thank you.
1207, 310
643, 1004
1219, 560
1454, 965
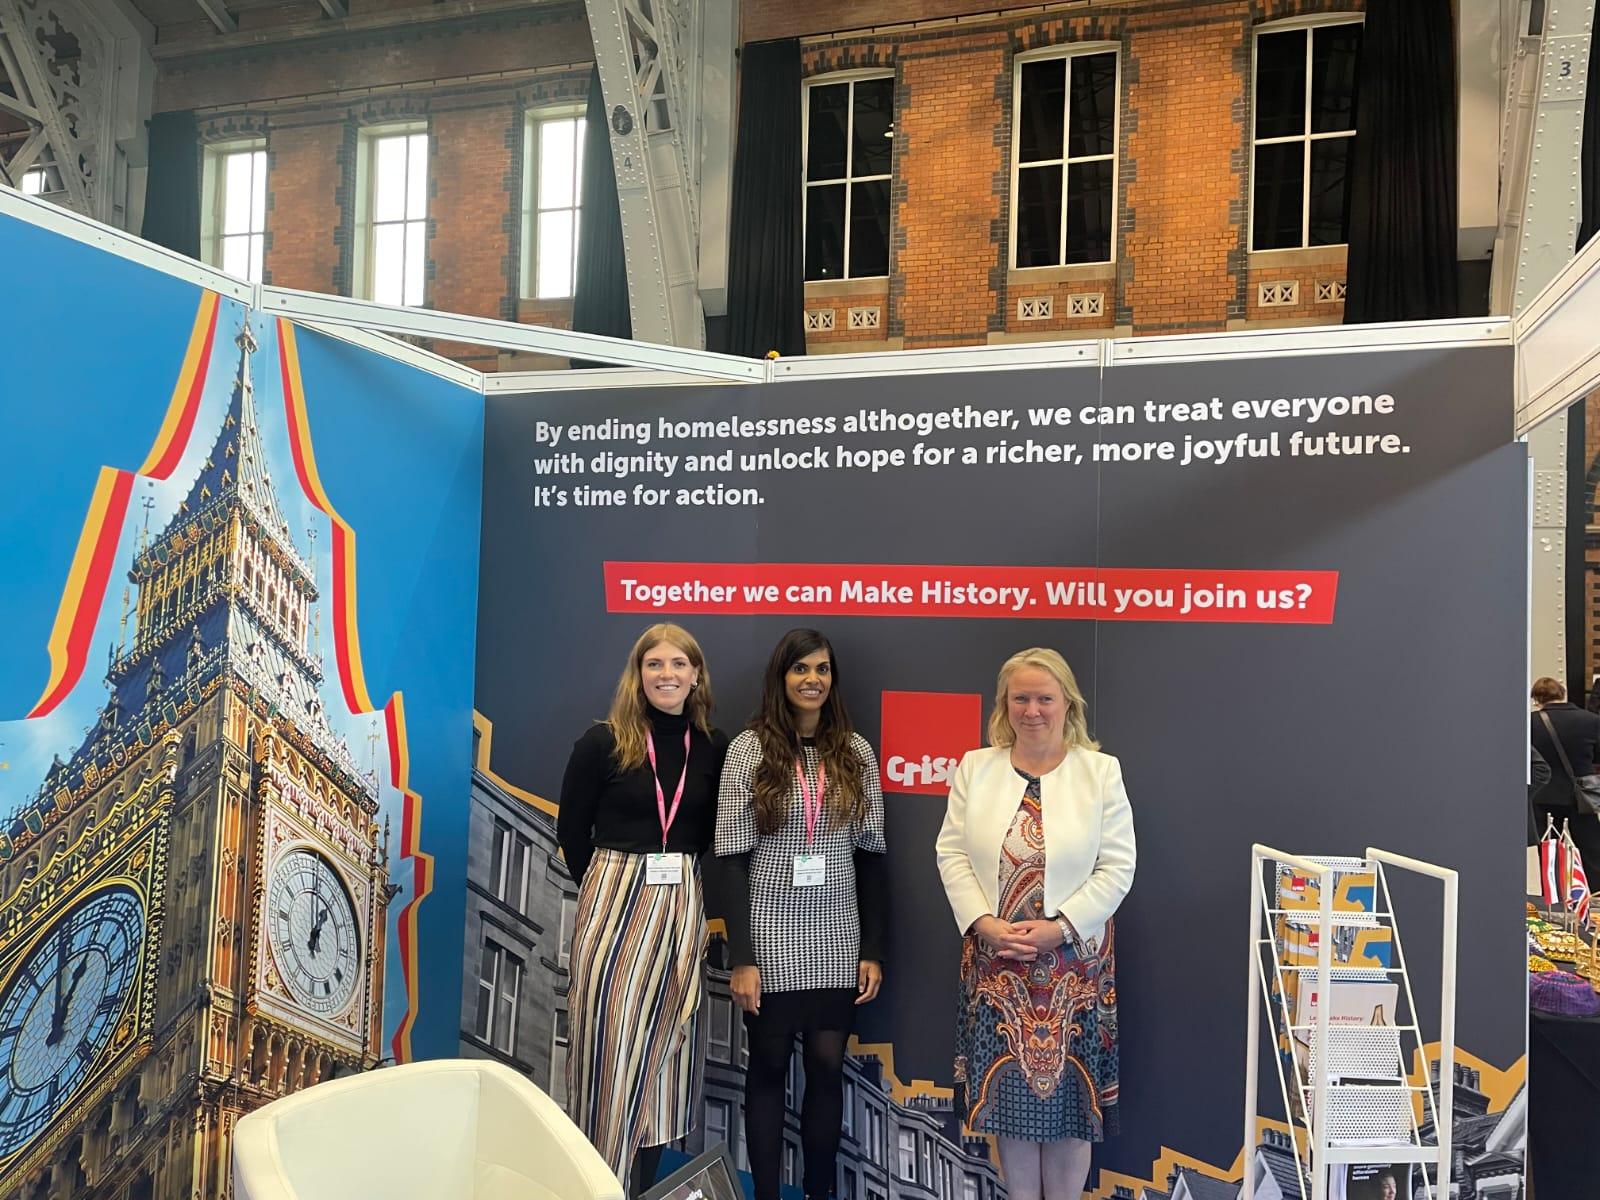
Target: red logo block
924, 736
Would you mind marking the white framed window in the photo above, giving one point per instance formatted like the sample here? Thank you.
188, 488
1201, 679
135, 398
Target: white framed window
847, 1182
876, 1145
969, 1188
499, 984
1303, 123
927, 1161
791, 1163
1064, 156
847, 1122
721, 1031
906, 1143
34, 182
947, 1179
233, 207
847, 154
569, 922
512, 862
791, 1082
559, 1041
392, 214
552, 202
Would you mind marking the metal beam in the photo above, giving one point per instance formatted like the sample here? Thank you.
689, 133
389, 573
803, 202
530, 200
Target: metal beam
1558, 354
21, 58
16, 107
409, 17
1482, 49
634, 48
41, 214
85, 120
217, 11
335, 9
1539, 226
508, 335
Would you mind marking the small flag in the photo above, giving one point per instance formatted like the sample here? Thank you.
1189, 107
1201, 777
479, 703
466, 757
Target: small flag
1576, 891
1549, 871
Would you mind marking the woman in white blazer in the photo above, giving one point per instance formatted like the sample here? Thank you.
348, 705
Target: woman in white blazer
1036, 853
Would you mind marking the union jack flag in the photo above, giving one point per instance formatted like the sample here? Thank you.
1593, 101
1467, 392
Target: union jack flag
1575, 880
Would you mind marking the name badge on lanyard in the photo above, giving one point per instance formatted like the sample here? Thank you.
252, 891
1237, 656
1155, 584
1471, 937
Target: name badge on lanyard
665, 868
811, 870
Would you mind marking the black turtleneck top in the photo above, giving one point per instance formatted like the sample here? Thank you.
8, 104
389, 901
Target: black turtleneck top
604, 807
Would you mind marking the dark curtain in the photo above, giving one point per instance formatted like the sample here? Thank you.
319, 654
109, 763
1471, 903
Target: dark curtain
600, 291
1402, 261
766, 284
1589, 179
172, 187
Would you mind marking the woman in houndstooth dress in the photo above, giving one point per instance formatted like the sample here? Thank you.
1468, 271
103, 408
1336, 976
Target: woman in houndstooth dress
800, 831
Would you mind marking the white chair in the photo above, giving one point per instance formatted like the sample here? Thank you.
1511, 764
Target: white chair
452, 1129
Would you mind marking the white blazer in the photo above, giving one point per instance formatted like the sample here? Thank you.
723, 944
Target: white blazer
1088, 836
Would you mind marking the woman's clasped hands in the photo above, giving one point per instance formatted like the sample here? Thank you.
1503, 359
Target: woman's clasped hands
1021, 940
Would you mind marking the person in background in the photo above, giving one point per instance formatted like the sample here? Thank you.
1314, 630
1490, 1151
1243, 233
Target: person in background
638, 809
1558, 728
1036, 853
800, 837
1538, 777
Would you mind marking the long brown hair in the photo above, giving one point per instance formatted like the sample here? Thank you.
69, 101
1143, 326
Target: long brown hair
780, 742
627, 718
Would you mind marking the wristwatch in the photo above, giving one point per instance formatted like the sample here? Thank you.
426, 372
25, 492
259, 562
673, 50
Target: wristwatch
1067, 932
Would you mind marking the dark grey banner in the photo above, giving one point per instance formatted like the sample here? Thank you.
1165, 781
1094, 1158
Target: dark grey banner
1293, 590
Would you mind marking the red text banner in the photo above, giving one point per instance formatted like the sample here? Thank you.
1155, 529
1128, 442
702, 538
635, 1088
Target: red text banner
899, 590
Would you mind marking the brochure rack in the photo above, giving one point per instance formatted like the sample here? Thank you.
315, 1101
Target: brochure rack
1319, 924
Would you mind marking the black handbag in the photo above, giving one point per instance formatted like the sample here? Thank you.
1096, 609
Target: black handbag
1585, 788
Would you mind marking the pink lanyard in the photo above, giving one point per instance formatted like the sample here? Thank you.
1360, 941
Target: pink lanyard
812, 803
667, 818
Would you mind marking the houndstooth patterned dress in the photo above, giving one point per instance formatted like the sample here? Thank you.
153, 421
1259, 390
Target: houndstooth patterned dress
807, 937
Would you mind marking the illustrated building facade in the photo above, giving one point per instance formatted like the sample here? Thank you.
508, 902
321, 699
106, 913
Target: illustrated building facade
520, 909
193, 905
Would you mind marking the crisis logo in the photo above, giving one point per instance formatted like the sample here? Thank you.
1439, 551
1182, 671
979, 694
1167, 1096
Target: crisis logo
924, 736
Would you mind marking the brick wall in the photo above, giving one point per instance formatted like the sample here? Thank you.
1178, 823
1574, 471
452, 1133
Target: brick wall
305, 183
390, 57
1182, 259
471, 87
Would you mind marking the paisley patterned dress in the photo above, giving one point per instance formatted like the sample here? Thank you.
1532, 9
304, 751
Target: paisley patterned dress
1036, 1042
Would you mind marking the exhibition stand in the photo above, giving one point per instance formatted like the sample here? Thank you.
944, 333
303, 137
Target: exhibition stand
1267, 555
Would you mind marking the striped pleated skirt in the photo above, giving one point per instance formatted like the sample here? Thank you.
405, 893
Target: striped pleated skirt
635, 1066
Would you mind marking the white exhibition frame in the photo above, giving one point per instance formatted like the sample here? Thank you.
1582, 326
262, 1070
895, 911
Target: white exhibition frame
380, 328
1556, 339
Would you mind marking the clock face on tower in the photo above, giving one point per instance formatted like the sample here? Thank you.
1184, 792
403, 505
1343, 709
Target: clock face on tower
59, 1008
312, 928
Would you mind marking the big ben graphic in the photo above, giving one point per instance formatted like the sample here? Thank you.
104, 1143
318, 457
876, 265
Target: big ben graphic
193, 905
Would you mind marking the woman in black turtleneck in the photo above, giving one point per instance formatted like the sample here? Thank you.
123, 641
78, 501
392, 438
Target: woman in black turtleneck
638, 809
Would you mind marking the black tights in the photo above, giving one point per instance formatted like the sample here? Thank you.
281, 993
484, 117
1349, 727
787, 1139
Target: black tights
646, 1164
771, 1043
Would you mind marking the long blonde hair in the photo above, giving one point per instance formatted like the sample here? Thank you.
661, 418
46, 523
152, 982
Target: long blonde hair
1075, 731
627, 718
